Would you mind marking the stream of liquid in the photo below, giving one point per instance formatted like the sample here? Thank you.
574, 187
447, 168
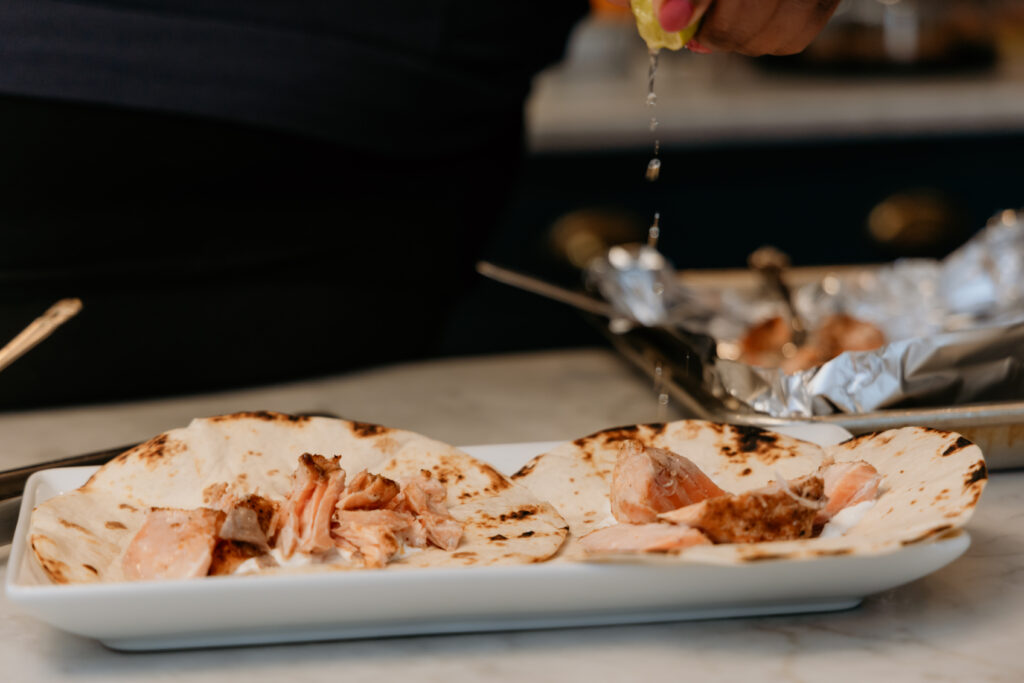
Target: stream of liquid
654, 232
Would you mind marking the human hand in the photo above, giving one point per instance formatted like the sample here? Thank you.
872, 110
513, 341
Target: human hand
749, 27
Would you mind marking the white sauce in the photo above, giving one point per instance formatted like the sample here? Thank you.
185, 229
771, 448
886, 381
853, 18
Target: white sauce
256, 565
846, 519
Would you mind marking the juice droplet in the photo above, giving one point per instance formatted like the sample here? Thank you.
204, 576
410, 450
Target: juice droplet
654, 232
653, 169
652, 69
660, 378
654, 124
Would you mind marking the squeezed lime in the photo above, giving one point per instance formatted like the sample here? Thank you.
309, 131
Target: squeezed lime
653, 34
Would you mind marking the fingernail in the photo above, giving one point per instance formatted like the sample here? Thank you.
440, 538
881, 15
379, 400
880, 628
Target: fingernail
675, 15
694, 46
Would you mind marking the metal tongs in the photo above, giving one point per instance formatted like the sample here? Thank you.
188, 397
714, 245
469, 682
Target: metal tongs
668, 351
770, 263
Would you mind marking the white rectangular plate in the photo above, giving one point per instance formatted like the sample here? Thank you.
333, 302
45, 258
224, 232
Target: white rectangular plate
362, 604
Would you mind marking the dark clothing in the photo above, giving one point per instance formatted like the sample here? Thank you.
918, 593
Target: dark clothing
253, 193
385, 76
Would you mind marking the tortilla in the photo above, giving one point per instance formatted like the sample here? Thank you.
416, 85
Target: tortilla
80, 536
931, 481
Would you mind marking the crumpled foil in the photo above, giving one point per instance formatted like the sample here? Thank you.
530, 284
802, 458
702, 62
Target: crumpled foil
955, 329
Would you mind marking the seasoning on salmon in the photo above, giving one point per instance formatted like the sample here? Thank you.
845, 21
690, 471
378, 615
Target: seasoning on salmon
846, 484
248, 521
304, 521
424, 498
374, 533
173, 544
642, 538
777, 512
649, 481
368, 492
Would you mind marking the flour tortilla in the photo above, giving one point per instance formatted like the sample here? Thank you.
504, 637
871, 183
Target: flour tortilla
931, 481
79, 537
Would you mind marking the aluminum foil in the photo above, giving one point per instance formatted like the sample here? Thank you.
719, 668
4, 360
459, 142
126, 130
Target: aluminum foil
955, 329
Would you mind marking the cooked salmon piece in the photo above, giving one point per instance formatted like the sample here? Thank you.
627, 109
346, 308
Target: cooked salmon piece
368, 492
229, 555
846, 484
777, 512
425, 499
304, 521
649, 481
374, 533
173, 544
642, 538
248, 521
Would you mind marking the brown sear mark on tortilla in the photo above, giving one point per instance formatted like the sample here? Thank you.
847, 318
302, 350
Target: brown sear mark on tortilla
833, 552
656, 428
928, 534
272, 472
499, 537
495, 481
744, 439
856, 440
620, 434
265, 415
214, 492
746, 471
115, 525
157, 448
55, 569
464, 553
126, 506
365, 429
526, 534
751, 438
957, 445
527, 468
91, 568
521, 513
761, 557
72, 525
386, 445
978, 473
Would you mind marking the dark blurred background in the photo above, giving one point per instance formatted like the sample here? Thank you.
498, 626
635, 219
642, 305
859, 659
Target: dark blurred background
313, 202
897, 134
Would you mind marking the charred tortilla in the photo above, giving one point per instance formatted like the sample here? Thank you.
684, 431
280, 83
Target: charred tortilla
931, 481
81, 536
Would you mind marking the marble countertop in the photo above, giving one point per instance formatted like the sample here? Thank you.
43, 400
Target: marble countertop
960, 623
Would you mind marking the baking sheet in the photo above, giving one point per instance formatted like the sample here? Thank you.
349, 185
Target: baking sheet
362, 604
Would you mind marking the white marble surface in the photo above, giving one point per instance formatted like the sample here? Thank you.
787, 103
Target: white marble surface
960, 624
511, 398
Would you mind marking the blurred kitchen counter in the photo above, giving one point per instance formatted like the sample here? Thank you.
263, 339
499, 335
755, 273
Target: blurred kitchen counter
488, 399
596, 100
